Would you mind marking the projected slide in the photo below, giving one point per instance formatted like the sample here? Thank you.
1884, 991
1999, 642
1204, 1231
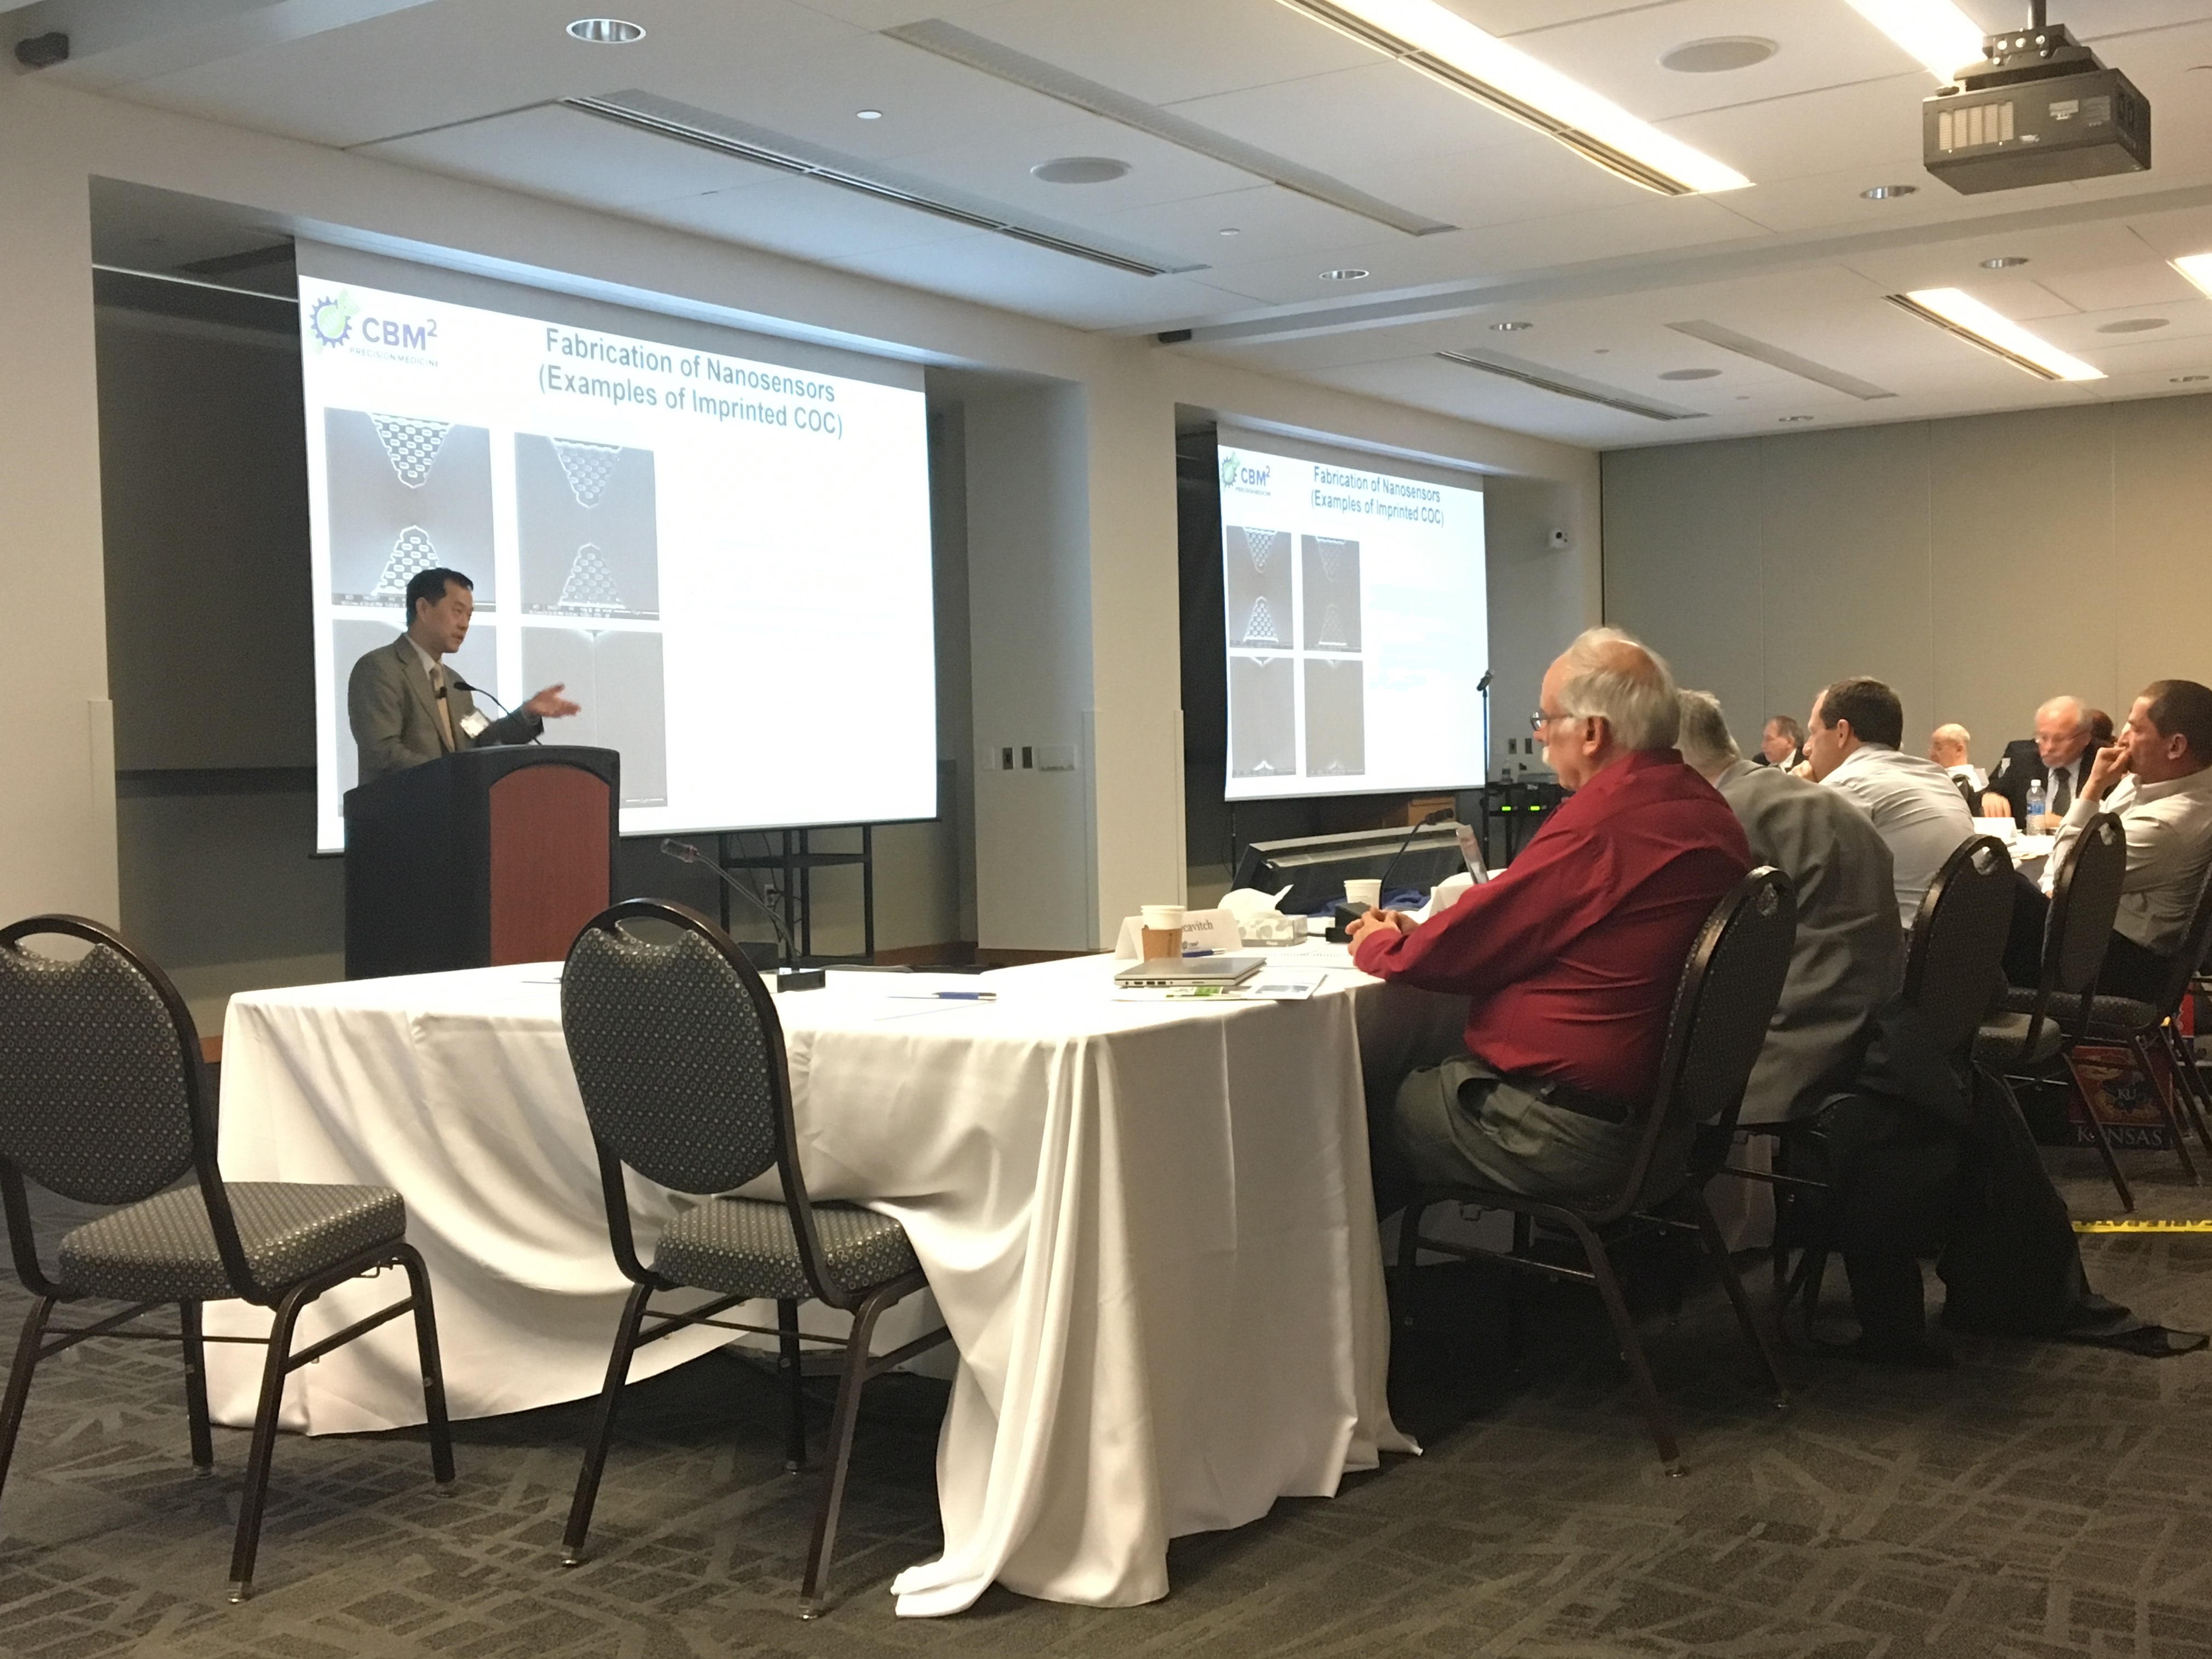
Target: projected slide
726, 561
1358, 628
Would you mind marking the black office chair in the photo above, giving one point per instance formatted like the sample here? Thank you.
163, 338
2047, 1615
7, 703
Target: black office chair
2032, 1030
679, 1057
103, 1101
2135, 1025
1954, 975
1729, 986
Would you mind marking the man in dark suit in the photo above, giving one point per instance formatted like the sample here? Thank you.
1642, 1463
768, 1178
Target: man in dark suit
2059, 758
406, 707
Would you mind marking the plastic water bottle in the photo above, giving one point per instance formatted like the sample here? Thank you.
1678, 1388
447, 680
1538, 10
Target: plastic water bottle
2038, 800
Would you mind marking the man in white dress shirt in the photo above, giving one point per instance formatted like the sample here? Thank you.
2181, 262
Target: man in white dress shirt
2157, 777
1852, 744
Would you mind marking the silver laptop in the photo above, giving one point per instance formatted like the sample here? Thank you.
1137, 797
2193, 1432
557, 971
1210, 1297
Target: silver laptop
1219, 971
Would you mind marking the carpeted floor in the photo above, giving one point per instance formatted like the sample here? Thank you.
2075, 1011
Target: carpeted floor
2038, 1500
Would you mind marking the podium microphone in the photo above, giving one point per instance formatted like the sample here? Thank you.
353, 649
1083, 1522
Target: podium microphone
537, 737
787, 978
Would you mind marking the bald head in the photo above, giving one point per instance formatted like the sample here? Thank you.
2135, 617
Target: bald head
2062, 730
1948, 744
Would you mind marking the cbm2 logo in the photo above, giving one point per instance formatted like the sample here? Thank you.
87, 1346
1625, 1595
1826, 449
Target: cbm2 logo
404, 337
1234, 473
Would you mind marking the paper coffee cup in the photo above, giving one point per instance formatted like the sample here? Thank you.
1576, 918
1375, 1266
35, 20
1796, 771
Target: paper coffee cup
1369, 893
1163, 917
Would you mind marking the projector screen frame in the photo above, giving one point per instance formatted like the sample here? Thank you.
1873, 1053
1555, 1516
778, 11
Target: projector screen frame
815, 716
1391, 493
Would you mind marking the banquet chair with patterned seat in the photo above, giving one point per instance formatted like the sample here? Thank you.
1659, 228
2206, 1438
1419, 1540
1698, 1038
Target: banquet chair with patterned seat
103, 1101
2136, 1024
1730, 984
679, 1057
2030, 1031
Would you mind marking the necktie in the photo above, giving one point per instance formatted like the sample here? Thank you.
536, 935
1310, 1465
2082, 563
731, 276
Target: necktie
2062, 790
437, 696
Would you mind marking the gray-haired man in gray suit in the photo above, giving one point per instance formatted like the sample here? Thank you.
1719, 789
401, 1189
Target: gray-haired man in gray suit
407, 706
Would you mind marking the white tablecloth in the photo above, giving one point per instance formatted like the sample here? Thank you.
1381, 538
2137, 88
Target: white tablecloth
1148, 1226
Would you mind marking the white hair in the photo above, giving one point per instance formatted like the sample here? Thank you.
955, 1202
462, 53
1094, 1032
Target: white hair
1705, 740
1613, 675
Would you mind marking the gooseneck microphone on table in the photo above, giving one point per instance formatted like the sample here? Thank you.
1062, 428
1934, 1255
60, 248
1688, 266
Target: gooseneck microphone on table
789, 977
1441, 814
1349, 910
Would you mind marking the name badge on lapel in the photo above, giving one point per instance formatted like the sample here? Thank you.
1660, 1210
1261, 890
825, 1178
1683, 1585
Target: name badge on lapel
472, 725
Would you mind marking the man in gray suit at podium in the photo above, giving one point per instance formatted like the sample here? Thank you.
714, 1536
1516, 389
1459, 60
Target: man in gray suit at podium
407, 706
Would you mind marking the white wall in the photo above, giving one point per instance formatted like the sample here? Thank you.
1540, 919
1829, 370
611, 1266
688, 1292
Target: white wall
1978, 565
57, 836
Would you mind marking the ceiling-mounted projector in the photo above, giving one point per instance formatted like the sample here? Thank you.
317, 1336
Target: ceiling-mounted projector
2039, 110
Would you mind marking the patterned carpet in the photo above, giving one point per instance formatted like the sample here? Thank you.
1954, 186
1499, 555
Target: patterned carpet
2039, 1500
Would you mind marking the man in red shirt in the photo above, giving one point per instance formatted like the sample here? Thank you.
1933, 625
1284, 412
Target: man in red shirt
1571, 955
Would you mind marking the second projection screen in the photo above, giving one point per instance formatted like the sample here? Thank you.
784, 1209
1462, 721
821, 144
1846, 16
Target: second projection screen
1358, 628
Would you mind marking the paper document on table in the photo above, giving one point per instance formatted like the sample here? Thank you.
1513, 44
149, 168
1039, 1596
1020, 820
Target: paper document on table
1286, 984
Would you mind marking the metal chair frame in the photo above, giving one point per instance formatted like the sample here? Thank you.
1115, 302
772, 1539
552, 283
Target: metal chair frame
2076, 940
1647, 1195
633, 1331
42, 1340
2187, 1086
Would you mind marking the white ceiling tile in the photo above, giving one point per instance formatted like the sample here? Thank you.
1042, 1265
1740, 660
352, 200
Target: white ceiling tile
574, 157
1168, 51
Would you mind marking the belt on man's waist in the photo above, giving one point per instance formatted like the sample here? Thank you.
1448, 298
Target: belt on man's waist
1556, 1092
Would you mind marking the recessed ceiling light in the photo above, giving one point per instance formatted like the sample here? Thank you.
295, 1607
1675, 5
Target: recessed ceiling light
2132, 326
1690, 374
1793, 420
1890, 192
1427, 36
2190, 380
604, 32
1511, 328
1346, 274
1721, 53
1962, 314
1080, 170
2005, 262
2197, 267
867, 115
1230, 230
1936, 33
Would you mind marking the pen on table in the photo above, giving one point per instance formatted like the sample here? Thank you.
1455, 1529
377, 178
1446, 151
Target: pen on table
965, 996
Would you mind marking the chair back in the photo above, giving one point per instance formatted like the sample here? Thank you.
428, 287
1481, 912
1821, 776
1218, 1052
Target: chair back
2085, 898
1954, 966
2195, 943
2077, 930
680, 1060
103, 1095
1730, 985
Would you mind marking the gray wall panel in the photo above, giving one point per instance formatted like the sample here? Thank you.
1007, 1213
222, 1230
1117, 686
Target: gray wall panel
1682, 565
1844, 566
2023, 536
1980, 564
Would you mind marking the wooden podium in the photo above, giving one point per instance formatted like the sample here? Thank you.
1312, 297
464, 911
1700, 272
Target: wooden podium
481, 857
